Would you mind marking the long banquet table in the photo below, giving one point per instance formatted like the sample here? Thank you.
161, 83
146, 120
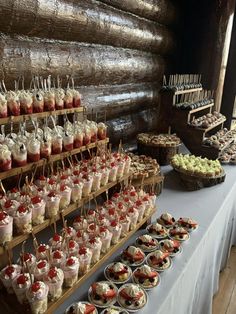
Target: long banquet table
189, 285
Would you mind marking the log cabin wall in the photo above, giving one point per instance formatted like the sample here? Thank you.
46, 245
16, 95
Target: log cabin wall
117, 52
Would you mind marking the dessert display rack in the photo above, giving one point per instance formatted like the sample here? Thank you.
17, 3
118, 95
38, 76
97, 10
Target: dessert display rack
179, 121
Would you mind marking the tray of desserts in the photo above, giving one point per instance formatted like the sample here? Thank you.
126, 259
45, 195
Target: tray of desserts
221, 139
160, 140
207, 121
138, 270
196, 172
142, 165
228, 156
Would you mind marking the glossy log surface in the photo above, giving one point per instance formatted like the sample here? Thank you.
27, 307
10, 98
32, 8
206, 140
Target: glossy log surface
83, 21
119, 99
89, 64
161, 11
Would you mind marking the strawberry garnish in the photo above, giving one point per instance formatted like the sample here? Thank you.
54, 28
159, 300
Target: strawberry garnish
51, 181
56, 237
3, 215
111, 211
14, 190
76, 181
42, 248
57, 255
63, 187
138, 273
8, 204
76, 173
70, 262
102, 229
113, 164
64, 177
42, 178
36, 199
52, 273
146, 199
21, 280
138, 203
82, 250
132, 193
41, 264
113, 223
126, 296
52, 194
22, 209
72, 244
35, 287
9, 271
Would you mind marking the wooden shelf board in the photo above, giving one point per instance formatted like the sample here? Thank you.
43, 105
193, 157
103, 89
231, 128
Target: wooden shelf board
201, 108
71, 208
52, 306
30, 166
187, 91
208, 129
39, 115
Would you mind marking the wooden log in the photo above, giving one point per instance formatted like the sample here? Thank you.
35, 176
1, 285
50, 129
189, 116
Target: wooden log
118, 100
89, 64
127, 127
83, 21
161, 11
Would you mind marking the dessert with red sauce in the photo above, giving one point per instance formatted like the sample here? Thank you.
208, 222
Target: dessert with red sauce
118, 272
133, 256
171, 246
146, 277
6, 227
41, 269
179, 233
157, 231
102, 293
188, 223
132, 297
166, 220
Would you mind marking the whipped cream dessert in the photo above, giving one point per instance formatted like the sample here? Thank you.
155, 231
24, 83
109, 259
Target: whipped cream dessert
6, 227
54, 280
37, 296
146, 277
7, 276
103, 293
20, 285
132, 296
71, 270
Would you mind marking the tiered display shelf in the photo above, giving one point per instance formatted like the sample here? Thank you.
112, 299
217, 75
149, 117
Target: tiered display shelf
40, 115
29, 166
179, 121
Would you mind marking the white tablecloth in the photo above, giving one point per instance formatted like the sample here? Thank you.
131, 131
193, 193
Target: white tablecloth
188, 287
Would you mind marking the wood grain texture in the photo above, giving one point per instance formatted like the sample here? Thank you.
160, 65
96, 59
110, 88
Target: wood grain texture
83, 21
119, 100
162, 11
90, 64
128, 126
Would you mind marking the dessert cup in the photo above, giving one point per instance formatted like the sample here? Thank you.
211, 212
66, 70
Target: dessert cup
20, 285
57, 145
37, 296
38, 101
80, 223
87, 185
65, 193
5, 158
68, 99
95, 245
33, 150
113, 172
26, 102
141, 209
52, 204
102, 131
45, 149
41, 269
42, 251
59, 98
28, 259
71, 269
125, 225
55, 242
133, 214
54, 280
57, 258
96, 181
68, 142
13, 103
8, 274
19, 155
85, 256
10, 206
49, 101
6, 227
121, 168
23, 219
76, 192
82, 237
115, 228
105, 236
38, 210
3, 106
105, 175
87, 136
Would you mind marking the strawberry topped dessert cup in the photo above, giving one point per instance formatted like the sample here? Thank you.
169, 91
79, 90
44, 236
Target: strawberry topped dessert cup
95, 245
37, 296
54, 280
71, 270
76, 191
85, 257
38, 210
41, 269
20, 285
23, 219
5, 158
8, 274
65, 193
6, 227
103, 294
52, 204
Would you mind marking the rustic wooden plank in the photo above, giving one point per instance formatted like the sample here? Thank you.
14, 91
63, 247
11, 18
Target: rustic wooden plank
89, 64
83, 21
161, 11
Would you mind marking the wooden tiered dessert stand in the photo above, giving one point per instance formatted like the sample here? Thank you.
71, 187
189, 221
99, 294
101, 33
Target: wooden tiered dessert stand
179, 121
9, 302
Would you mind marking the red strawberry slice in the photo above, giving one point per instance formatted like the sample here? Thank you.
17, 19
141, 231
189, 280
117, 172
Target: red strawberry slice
111, 211
137, 257
79, 234
70, 262
14, 190
3, 215
76, 181
113, 223
21, 280
42, 248
76, 173
121, 272
63, 187
35, 286
57, 255
82, 250
125, 295
139, 274
138, 203
178, 232
56, 237
51, 181
22, 209
52, 273
64, 177
133, 193
52, 194
72, 244
36, 199
41, 264
89, 309
8, 204
102, 229
9, 271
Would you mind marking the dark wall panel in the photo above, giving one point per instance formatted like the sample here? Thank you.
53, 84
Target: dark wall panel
84, 21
